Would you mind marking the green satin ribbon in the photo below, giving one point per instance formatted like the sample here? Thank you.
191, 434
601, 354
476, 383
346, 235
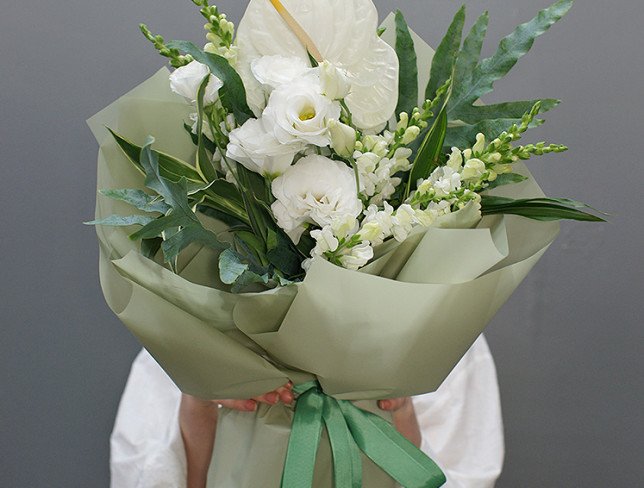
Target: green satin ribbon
351, 430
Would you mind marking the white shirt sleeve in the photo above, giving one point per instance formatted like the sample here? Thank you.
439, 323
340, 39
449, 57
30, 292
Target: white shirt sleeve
461, 423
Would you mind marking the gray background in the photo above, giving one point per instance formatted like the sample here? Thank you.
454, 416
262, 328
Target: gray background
568, 345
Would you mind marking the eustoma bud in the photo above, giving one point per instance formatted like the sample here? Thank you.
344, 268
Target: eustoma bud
334, 81
343, 138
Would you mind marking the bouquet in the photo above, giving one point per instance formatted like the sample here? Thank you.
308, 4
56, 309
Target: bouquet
317, 199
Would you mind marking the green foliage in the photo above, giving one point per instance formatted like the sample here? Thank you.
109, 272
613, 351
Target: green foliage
427, 158
446, 55
233, 270
473, 78
506, 179
122, 221
180, 222
233, 93
408, 72
170, 167
138, 199
545, 209
176, 58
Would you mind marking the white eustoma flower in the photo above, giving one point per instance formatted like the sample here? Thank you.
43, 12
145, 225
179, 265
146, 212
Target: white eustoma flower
275, 71
343, 138
256, 147
186, 80
357, 256
315, 190
334, 81
299, 112
344, 31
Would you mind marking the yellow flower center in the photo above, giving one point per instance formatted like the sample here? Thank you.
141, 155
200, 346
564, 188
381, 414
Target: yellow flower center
307, 114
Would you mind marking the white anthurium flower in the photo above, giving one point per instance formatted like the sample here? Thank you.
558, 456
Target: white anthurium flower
186, 80
298, 112
316, 190
256, 148
275, 71
344, 31
334, 81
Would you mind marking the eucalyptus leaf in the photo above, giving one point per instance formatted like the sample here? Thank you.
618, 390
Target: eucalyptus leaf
233, 93
233, 271
408, 72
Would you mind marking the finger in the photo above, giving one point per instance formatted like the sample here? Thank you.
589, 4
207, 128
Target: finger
392, 404
286, 395
241, 405
270, 398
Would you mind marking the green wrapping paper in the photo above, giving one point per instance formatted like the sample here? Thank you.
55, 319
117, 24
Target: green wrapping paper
396, 328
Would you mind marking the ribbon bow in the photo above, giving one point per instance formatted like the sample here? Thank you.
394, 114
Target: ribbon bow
351, 430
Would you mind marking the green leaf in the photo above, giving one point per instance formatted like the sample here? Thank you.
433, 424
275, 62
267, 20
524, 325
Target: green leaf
282, 254
150, 247
122, 221
508, 110
408, 72
468, 57
234, 271
427, 157
446, 54
170, 167
204, 163
506, 179
545, 209
138, 199
233, 93
510, 50
181, 215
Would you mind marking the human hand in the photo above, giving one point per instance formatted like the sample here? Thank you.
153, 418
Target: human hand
283, 394
404, 417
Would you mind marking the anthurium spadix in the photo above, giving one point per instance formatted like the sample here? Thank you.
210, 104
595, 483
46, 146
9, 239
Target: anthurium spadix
344, 33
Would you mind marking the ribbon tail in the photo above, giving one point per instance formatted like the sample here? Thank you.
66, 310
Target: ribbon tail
347, 465
304, 441
386, 447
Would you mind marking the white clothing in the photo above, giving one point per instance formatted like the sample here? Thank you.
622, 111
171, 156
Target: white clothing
460, 423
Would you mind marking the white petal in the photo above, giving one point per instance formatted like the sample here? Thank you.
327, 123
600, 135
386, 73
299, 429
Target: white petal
345, 33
